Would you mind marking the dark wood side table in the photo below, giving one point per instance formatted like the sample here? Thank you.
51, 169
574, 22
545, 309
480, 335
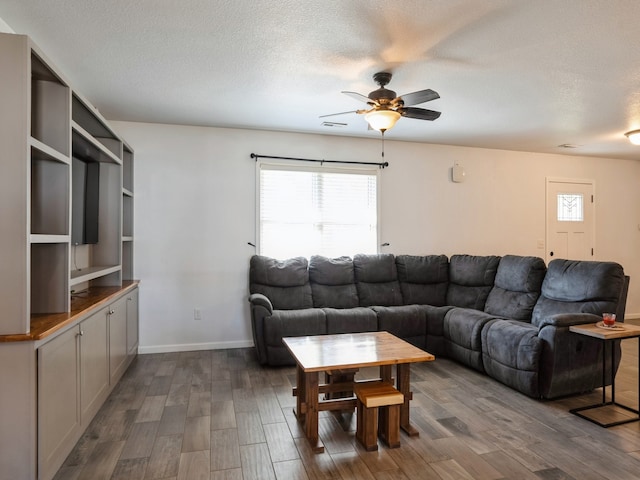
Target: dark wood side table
607, 335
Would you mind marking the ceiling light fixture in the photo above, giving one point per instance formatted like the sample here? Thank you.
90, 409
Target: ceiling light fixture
633, 136
382, 120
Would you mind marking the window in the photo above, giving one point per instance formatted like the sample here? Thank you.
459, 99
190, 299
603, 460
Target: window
307, 211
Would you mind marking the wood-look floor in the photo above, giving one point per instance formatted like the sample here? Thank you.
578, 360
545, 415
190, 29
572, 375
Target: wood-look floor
219, 415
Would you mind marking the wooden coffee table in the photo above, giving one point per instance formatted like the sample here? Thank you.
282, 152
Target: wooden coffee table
315, 354
606, 335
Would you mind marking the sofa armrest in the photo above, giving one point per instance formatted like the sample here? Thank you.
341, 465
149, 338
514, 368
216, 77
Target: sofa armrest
570, 362
261, 307
259, 300
568, 319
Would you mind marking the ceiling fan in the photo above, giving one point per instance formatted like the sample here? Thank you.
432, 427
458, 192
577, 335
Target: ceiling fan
386, 108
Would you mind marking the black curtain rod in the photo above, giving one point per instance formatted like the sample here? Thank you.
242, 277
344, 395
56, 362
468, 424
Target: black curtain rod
379, 165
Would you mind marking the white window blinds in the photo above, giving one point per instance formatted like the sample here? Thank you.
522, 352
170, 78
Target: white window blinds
304, 211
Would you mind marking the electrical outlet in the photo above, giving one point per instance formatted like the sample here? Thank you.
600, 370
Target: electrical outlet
197, 314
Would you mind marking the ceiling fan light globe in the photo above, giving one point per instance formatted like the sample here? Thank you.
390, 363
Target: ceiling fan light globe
382, 120
633, 136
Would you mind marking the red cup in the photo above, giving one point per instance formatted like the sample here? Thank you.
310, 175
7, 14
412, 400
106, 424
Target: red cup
609, 319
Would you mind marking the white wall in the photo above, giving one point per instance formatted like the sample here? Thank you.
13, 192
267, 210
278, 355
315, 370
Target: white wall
4, 28
195, 213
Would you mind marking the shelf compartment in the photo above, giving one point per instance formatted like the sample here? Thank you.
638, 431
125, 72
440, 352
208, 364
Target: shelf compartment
49, 195
50, 106
127, 169
49, 261
127, 259
107, 250
127, 216
91, 273
92, 122
86, 147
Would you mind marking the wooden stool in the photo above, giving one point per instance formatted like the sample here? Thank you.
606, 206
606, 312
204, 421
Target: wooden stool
372, 396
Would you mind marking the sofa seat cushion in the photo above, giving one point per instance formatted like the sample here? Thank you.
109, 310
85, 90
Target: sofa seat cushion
516, 288
350, 320
290, 323
462, 333
377, 280
423, 279
333, 282
512, 354
408, 322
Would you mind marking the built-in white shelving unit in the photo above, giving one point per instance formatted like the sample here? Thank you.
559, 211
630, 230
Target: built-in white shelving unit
48, 125
59, 358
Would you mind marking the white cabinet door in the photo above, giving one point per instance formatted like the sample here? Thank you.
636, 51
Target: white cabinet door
94, 365
132, 323
58, 401
117, 316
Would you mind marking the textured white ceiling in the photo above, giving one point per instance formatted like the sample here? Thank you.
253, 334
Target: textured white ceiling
512, 74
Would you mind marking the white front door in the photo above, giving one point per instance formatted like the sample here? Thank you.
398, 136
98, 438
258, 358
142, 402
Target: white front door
570, 219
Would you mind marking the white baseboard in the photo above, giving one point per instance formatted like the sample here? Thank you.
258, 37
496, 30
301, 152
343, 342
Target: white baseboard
190, 347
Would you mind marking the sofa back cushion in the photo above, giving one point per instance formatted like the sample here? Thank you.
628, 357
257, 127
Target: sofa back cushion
284, 282
423, 279
377, 280
516, 287
578, 286
471, 279
333, 282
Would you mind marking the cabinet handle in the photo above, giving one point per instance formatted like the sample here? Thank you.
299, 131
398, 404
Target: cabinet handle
129, 299
111, 312
80, 334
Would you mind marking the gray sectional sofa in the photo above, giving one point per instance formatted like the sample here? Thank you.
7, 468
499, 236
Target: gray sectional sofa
506, 316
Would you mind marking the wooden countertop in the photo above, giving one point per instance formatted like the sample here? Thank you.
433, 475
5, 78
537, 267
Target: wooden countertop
43, 325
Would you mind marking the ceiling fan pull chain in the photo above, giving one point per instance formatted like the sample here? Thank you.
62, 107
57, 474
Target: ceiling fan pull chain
382, 143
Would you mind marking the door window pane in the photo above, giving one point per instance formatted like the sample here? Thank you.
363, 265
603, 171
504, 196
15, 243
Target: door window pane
570, 207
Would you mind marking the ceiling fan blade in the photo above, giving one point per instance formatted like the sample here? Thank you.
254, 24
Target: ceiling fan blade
421, 96
419, 113
341, 113
360, 97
